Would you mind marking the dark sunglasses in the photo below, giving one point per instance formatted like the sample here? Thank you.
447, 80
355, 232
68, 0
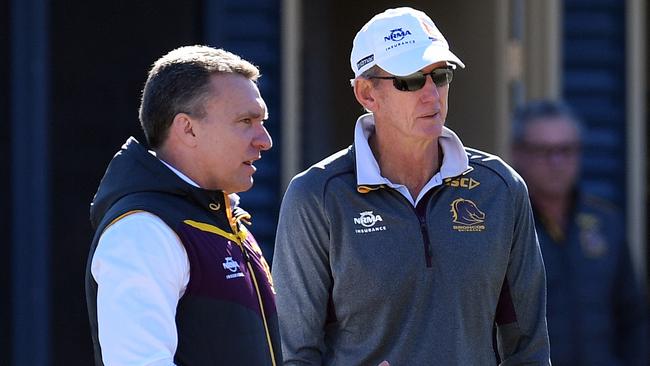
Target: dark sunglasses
440, 76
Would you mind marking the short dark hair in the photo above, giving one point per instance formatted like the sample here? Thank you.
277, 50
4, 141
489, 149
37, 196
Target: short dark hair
179, 82
538, 109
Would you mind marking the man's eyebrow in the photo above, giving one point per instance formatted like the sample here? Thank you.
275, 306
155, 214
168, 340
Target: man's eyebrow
251, 114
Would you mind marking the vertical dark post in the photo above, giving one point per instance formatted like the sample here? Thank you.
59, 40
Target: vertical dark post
30, 182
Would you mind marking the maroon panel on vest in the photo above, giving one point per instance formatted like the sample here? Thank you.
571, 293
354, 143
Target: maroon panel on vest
262, 274
218, 269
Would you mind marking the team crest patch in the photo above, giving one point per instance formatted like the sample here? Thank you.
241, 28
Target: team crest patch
467, 216
592, 241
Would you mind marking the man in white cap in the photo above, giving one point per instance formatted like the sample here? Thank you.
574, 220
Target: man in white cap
407, 246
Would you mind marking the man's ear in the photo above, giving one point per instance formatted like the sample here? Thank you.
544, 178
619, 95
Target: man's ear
183, 129
364, 91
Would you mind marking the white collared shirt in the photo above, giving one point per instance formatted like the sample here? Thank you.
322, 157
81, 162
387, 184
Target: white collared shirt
454, 161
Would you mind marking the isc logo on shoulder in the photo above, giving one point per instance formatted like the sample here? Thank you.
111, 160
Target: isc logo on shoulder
468, 183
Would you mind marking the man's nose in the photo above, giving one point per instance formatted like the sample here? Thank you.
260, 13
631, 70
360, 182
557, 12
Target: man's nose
430, 90
263, 139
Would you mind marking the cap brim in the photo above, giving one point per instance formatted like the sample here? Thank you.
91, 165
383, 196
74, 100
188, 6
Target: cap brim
416, 59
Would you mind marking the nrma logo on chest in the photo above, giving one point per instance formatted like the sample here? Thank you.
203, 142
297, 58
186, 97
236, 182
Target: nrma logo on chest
369, 222
367, 219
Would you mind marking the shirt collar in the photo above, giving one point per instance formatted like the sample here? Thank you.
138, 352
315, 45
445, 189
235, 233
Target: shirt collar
234, 197
177, 172
454, 161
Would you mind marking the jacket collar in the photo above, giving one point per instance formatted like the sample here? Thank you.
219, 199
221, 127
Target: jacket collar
455, 161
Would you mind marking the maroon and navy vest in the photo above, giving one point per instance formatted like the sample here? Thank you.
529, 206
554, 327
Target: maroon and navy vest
227, 315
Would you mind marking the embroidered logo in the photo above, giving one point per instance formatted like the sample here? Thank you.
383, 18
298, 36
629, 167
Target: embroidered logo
464, 182
368, 220
233, 267
467, 216
430, 30
397, 35
592, 241
364, 61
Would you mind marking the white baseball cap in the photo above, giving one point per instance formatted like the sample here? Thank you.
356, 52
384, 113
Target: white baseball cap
400, 41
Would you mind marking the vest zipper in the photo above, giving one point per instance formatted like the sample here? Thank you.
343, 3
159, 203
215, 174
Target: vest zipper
266, 327
247, 259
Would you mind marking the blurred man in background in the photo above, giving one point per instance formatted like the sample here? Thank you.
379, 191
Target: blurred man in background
595, 310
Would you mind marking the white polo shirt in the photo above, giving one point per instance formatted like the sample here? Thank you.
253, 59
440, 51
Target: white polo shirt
454, 161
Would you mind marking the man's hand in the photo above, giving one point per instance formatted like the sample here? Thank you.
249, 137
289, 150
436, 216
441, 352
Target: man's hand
384, 363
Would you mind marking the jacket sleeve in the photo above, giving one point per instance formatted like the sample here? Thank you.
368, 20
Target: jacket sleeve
522, 335
301, 274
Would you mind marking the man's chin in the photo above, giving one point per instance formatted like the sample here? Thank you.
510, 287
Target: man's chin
245, 187
240, 187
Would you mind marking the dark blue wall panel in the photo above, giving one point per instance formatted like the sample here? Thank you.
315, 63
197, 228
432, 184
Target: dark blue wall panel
30, 182
594, 84
5, 181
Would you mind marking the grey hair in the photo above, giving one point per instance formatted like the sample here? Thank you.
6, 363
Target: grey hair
368, 74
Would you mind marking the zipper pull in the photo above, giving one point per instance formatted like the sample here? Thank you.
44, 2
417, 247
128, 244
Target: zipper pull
423, 224
247, 257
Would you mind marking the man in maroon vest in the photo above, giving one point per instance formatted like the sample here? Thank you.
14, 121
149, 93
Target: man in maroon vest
173, 276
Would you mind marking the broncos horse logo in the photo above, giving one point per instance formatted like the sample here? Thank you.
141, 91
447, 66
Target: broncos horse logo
465, 212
